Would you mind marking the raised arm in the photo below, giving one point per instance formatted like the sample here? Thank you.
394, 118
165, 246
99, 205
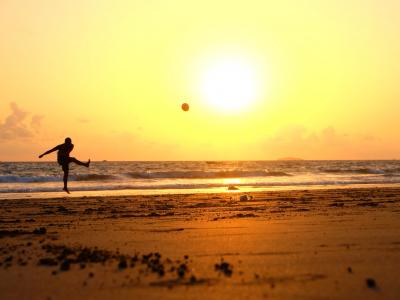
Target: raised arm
49, 151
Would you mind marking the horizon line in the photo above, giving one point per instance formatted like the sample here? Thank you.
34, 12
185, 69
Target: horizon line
208, 160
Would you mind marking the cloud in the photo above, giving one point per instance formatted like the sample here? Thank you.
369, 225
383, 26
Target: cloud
326, 143
16, 125
36, 122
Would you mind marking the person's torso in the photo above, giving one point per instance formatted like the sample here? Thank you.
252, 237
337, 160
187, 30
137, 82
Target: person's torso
64, 150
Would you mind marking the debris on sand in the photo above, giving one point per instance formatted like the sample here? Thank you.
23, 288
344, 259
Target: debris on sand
122, 263
337, 204
225, 268
232, 188
18, 232
245, 198
47, 261
367, 203
12, 233
182, 270
153, 263
65, 257
65, 265
371, 283
41, 230
240, 215
170, 283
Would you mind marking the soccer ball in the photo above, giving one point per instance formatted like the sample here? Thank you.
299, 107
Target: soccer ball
185, 107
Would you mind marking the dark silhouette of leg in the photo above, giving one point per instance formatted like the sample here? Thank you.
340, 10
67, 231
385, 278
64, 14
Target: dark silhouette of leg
78, 162
65, 168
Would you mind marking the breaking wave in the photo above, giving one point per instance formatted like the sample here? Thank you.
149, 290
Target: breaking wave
353, 171
93, 177
146, 175
205, 174
45, 177
29, 179
111, 187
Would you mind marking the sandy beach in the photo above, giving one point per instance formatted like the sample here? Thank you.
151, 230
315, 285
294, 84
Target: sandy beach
309, 244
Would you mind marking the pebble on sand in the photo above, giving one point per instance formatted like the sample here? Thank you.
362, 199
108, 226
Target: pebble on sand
224, 268
371, 283
41, 230
245, 198
65, 265
232, 188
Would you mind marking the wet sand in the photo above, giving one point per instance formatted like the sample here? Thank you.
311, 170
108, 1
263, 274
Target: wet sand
311, 244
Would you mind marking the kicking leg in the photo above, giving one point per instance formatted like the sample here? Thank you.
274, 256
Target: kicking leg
65, 168
78, 162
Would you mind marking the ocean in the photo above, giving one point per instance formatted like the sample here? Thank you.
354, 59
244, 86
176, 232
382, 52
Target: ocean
30, 179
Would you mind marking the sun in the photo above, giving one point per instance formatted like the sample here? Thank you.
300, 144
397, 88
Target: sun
229, 84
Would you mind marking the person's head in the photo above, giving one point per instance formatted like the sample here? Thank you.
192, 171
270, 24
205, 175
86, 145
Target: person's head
68, 140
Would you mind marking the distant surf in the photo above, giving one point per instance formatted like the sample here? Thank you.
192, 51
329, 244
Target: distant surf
33, 177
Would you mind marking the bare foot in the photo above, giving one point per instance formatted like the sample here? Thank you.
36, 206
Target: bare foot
88, 163
66, 190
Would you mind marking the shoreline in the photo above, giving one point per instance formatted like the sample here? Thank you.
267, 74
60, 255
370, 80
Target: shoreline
174, 192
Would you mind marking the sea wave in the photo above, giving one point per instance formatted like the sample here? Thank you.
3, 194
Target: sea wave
353, 171
177, 186
146, 175
205, 174
94, 177
29, 179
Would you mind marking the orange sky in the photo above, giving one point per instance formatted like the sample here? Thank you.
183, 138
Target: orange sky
313, 79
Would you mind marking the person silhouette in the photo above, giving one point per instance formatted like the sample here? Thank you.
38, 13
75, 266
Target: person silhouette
64, 159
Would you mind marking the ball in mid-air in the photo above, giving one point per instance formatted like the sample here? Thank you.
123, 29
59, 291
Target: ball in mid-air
185, 107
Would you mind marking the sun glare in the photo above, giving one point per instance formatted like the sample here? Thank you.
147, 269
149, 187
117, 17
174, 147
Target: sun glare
229, 85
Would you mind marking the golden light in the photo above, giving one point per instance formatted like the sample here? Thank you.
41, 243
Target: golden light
229, 84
